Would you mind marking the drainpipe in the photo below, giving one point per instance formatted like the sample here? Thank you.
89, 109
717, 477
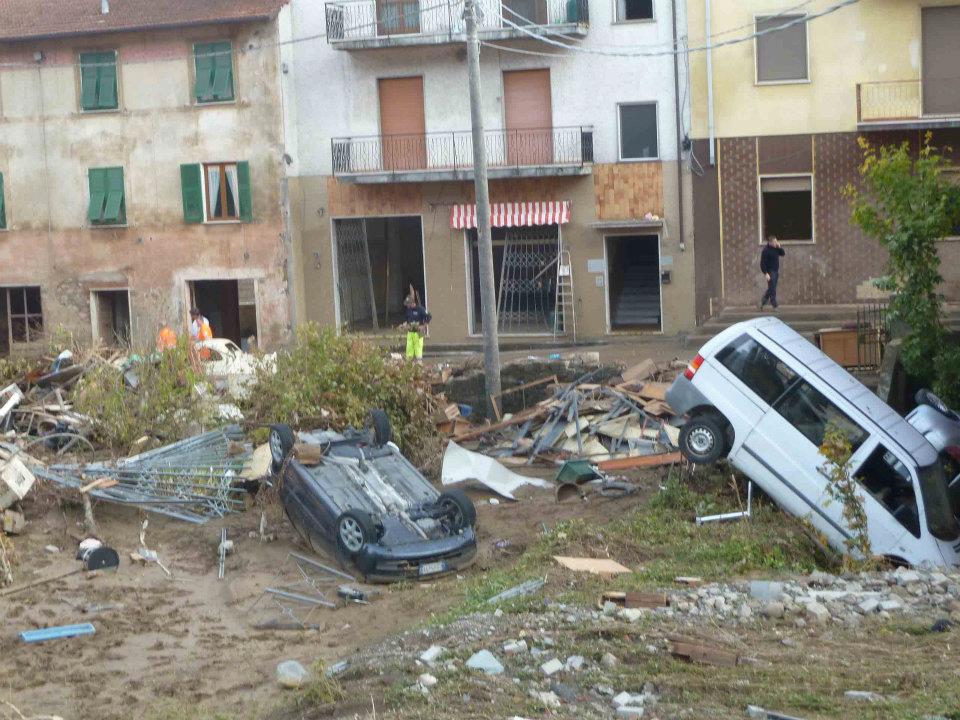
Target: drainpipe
679, 123
709, 21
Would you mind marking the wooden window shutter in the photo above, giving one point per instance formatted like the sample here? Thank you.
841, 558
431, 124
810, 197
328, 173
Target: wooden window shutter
98, 194
191, 177
88, 81
114, 210
204, 65
246, 196
222, 70
3, 207
107, 81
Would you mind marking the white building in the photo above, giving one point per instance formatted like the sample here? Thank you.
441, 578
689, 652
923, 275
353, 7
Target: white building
582, 147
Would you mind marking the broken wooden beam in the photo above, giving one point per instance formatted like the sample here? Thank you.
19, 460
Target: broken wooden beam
632, 599
640, 461
517, 419
698, 651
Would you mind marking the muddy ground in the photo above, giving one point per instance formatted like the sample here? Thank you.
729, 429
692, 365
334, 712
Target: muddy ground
189, 636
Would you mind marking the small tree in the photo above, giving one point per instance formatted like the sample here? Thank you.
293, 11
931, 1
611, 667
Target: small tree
908, 203
843, 488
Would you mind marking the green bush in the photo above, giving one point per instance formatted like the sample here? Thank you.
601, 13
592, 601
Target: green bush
333, 381
165, 404
947, 383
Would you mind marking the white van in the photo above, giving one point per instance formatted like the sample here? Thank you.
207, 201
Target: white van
761, 395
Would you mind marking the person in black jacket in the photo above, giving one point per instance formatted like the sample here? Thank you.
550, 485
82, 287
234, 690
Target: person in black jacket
770, 267
417, 320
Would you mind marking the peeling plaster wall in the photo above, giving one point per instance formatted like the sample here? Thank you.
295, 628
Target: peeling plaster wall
47, 145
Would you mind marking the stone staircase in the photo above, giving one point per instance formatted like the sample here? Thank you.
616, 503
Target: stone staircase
638, 302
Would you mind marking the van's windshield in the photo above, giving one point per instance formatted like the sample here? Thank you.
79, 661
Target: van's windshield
940, 516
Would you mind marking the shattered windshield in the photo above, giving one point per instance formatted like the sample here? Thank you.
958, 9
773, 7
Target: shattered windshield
941, 518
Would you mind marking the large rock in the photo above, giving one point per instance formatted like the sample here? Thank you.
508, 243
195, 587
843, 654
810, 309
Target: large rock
486, 662
817, 613
551, 667
773, 610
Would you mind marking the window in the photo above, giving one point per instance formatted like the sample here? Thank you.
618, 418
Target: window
638, 131
107, 203
216, 192
634, 10
3, 207
22, 315
786, 208
214, 68
782, 54
888, 481
810, 412
98, 81
758, 368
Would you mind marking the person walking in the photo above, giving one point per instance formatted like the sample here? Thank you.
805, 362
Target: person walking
417, 322
770, 267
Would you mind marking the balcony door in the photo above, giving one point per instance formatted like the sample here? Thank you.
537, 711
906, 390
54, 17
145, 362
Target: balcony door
525, 12
398, 17
402, 124
941, 60
529, 117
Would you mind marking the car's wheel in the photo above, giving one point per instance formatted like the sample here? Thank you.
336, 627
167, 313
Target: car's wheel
379, 424
355, 530
459, 511
281, 445
926, 397
703, 440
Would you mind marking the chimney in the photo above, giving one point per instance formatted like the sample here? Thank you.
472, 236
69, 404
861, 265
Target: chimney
104, 7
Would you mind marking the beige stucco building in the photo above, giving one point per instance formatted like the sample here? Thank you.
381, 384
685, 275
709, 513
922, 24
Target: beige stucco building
141, 166
775, 127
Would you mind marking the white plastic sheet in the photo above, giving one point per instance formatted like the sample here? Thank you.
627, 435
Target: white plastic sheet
462, 465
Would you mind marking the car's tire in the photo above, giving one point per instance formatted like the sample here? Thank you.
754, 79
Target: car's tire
355, 530
926, 397
703, 440
379, 424
281, 441
458, 509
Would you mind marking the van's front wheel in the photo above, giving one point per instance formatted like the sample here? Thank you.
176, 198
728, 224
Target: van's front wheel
703, 440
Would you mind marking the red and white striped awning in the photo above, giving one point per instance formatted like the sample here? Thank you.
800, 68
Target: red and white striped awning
516, 214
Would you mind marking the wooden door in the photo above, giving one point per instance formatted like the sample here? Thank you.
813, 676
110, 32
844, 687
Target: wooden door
941, 50
402, 124
529, 117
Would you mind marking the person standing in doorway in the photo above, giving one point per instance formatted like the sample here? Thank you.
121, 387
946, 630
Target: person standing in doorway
417, 321
199, 326
770, 267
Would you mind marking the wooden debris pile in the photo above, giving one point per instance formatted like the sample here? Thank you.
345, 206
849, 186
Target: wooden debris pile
615, 426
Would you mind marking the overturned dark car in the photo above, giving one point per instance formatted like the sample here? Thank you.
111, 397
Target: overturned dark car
359, 497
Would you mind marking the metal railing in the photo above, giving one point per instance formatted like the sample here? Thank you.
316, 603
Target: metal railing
370, 19
453, 151
873, 333
889, 100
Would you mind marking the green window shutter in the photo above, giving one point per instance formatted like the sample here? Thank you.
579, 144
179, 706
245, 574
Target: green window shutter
205, 66
114, 212
3, 207
107, 81
191, 178
222, 70
246, 197
98, 194
88, 80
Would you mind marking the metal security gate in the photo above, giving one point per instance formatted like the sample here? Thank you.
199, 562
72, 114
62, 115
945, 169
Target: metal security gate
354, 276
526, 294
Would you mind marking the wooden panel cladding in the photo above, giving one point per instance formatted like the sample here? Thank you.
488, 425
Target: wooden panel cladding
625, 191
402, 123
357, 200
782, 154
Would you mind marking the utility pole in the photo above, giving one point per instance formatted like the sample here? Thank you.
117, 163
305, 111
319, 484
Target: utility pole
488, 298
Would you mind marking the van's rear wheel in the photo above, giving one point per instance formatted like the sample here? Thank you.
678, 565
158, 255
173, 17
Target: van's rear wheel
703, 440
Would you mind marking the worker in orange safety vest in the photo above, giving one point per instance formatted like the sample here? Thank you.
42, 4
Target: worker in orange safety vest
200, 330
166, 338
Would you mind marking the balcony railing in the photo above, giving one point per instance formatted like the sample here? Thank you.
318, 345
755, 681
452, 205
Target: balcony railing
423, 21
904, 101
450, 154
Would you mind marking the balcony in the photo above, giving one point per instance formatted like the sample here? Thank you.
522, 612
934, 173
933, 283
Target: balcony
444, 156
908, 105
367, 24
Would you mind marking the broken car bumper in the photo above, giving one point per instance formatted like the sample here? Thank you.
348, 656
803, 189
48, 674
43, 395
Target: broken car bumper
416, 560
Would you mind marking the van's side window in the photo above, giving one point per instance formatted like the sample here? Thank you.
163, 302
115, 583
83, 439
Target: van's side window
809, 411
758, 368
888, 480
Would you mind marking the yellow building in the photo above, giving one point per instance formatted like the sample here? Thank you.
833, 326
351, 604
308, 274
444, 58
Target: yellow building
775, 126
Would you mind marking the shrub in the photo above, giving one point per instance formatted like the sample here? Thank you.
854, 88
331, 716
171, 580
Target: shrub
165, 404
333, 381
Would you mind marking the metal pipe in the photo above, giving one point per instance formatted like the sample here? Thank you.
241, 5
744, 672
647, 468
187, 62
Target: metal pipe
679, 123
299, 598
710, 128
321, 566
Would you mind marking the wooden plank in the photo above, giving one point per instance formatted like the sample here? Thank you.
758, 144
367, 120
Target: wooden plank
634, 599
690, 580
654, 391
641, 461
517, 419
640, 371
594, 566
704, 653
99, 484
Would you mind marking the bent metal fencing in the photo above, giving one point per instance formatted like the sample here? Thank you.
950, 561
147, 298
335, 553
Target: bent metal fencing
369, 19
453, 151
873, 333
